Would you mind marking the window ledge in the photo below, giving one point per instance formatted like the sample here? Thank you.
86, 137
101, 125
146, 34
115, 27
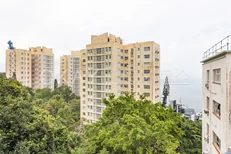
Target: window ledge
217, 116
215, 146
217, 83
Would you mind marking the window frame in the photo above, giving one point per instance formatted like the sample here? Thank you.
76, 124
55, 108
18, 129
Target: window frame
217, 109
147, 56
216, 141
217, 75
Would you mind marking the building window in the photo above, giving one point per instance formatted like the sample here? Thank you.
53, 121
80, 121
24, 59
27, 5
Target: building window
138, 71
138, 86
217, 75
146, 56
146, 63
146, 79
147, 94
146, 48
146, 86
146, 71
138, 56
207, 103
207, 75
216, 108
216, 141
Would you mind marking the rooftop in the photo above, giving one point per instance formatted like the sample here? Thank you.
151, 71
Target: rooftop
223, 45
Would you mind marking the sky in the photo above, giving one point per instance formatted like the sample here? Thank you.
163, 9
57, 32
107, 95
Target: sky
183, 28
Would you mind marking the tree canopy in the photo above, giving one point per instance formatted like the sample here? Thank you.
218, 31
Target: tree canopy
48, 121
36, 123
134, 126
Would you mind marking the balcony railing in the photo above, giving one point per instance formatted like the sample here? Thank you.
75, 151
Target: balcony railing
223, 45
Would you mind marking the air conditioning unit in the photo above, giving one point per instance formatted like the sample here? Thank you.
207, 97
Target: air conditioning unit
206, 138
207, 85
206, 111
205, 152
229, 149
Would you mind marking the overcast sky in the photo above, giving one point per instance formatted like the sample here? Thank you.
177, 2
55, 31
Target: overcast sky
183, 28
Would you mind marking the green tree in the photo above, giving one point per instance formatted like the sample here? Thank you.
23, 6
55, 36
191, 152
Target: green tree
66, 93
191, 142
55, 84
62, 111
75, 108
134, 126
15, 113
34, 127
45, 94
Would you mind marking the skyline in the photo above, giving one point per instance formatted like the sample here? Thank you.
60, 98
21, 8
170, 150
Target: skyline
184, 30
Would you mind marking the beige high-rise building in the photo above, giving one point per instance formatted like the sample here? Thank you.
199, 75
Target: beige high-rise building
108, 66
216, 98
18, 62
70, 71
42, 60
33, 67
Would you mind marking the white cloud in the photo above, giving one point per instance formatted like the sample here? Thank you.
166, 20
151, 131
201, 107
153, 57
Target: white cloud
184, 29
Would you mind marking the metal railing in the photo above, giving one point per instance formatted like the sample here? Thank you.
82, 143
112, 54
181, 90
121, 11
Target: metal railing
223, 45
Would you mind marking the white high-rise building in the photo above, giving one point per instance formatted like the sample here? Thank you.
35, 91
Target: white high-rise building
216, 79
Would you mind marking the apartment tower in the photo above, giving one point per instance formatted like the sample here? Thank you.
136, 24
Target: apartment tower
33, 67
216, 100
18, 65
70, 71
42, 60
108, 66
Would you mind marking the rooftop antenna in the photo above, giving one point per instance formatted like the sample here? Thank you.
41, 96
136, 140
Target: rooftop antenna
180, 99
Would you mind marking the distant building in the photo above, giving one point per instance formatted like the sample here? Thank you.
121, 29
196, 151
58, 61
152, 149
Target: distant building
18, 65
216, 91
186, 112
70, 71
42, 60
33, 67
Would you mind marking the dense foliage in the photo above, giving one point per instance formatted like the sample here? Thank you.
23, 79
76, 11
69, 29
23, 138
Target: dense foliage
130, 126
191, 141
40, 123
48, 121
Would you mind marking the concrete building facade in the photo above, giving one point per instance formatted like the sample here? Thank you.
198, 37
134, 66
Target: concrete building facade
216, 88
70, 71
108, 66
33, 67
18, 63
